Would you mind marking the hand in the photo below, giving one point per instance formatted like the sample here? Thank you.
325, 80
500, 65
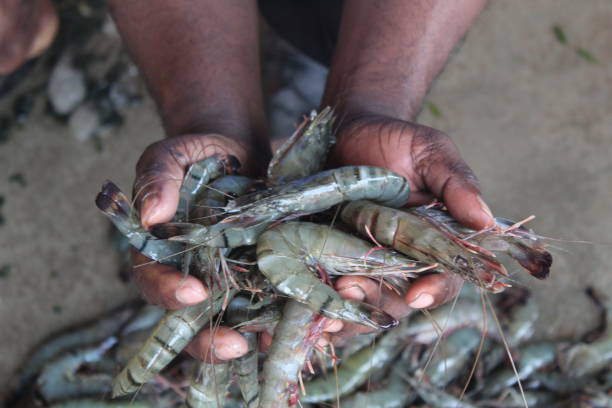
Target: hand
431, 163
159, 174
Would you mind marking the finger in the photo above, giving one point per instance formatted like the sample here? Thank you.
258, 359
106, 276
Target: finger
448, 177
218, 345
362, 289
333, 326
265, 341
165, 286
433, 290
160, 171
374, 293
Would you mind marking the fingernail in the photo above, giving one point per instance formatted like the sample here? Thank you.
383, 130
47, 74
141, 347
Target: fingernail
149, 208
422, 301
484, 206
190, 295
228, 348
353, 293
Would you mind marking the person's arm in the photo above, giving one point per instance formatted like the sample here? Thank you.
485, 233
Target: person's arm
200, 60
387, 55
389, 52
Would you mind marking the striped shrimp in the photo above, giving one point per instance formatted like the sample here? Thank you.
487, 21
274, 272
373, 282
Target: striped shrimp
305, 151
294, 337
289, 253
197, 178
208, 386
416, 233
116, 206
251, 214
245, 368
171, 335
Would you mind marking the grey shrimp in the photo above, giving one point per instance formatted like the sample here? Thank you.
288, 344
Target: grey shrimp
305, 152
251, 214
294, 337
418, 235
209, 384
115, 205
171, 335
198, 176
289, 253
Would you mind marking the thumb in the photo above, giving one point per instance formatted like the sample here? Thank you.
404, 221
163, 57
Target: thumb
161, 168
450, 179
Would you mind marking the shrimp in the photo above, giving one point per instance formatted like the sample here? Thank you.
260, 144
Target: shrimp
305, 151
59, 378
115, 205
416, 234
198, 176
294, 337
252, 213
208, 386
245, 367
356, 369
171, 335
288, 253
209, 204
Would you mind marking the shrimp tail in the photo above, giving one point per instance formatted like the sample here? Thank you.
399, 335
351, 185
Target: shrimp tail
115, 205
536, 260
179, 231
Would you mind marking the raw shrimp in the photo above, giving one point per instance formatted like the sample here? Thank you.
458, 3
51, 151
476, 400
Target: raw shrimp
294, 337
289, 253
252, 213
198, 176
418, 235
304, 153
208, 386
172, 334
356, 369
245, 368
115, 205
59, 378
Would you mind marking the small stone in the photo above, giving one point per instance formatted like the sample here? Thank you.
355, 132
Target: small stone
17, 178
5, 270
66, 87
84, 123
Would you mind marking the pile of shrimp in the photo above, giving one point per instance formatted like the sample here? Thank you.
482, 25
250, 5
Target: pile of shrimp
268, 272
402, 367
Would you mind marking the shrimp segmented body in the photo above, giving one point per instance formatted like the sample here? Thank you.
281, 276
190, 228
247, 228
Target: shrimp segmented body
208, 386
293, 340
171, 335
305, 151
198, 176
417, 234
250, 214
289, 253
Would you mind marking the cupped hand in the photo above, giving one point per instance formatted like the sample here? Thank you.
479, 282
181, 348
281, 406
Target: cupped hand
431, 163
159, 173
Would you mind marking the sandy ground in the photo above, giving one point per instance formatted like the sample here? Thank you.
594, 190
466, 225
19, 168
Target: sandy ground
530, 116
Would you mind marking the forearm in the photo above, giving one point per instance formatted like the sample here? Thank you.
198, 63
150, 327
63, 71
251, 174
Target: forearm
200, 60
389, 52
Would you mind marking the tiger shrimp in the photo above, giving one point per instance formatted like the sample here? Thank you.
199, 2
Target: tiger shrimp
418, 234
289, 253
208, 386
116, 206
249, 215
295, 335
171, 335
305, 151
245, 368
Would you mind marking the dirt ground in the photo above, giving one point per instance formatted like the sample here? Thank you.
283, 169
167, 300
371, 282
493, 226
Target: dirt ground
530, 115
